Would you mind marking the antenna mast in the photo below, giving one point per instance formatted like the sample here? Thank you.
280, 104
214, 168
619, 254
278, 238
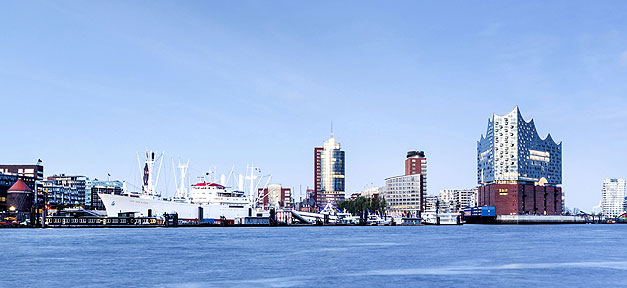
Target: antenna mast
159, 172
181, 192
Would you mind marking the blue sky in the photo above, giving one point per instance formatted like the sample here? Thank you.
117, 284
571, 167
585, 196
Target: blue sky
85, 85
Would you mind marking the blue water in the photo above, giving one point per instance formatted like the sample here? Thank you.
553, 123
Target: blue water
426, 256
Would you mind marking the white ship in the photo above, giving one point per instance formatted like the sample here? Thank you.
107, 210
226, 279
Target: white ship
207, 201
442, 219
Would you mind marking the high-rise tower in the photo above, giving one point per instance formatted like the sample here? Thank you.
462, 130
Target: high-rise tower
405, 194
416, 163
329, 180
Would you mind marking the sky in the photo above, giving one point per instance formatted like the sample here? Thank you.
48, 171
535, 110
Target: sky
85, 85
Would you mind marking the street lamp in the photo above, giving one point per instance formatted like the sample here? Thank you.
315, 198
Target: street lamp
12, 208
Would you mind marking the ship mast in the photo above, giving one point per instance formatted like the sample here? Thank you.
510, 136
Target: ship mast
254, 185
251, 178
149, 183
181, 189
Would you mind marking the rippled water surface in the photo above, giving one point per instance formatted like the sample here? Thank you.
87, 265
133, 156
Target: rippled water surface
425, 256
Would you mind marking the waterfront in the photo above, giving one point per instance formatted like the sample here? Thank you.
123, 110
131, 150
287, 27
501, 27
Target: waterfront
444, 256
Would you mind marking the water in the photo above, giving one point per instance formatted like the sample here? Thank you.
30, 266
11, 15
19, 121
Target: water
444, 256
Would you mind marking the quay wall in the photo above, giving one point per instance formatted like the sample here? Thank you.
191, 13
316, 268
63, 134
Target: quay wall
539, 219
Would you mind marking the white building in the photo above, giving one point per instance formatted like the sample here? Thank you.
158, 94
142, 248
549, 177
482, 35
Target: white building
455, 200
371, 192
276, 196
432, 205
512, 150
613, 194
402, 194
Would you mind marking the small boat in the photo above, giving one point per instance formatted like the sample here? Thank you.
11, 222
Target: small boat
442, 219
375, 220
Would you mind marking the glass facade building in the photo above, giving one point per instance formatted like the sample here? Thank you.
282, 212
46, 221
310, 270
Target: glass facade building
103, 187
331, 173
511, 150
81, 183
59, 195
518, 172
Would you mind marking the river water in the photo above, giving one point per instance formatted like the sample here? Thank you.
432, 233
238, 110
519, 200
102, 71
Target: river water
424, 256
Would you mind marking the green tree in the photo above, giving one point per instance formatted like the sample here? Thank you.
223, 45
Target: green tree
360, 204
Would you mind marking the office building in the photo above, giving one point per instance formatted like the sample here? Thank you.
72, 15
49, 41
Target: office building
372, 192
103, 187
518, 172
613, 197
416, 163
455, 200
317, 172
59, 196
329, 177
275, 196
29, 171
10, 174
404, 195
81, 183
6, 181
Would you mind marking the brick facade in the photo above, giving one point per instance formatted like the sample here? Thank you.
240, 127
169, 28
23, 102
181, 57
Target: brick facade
317, 172
521, 199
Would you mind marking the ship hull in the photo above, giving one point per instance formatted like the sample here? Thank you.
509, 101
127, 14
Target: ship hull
115, 204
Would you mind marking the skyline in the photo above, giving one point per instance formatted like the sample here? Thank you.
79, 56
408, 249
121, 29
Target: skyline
227, 85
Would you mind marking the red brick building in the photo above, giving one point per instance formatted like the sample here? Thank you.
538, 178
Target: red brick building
521, 198
317, 172
416, 164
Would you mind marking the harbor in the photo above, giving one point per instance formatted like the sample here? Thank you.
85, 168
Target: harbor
525, 189
291, 218
248, 201
254, 144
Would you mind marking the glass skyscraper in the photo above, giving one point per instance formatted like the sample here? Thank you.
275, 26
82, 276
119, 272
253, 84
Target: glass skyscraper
329, 170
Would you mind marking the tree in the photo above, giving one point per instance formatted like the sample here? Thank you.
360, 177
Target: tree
383, 206
360, 204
